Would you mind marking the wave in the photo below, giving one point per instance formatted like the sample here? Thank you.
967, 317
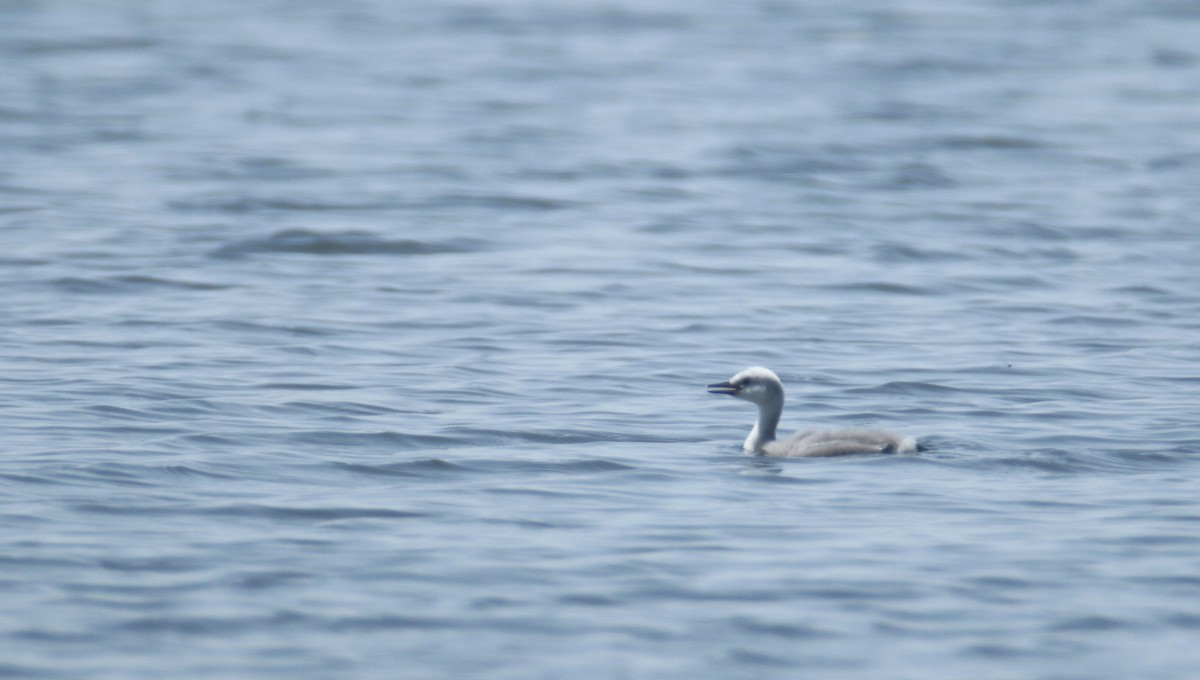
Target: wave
309, 242
129, 284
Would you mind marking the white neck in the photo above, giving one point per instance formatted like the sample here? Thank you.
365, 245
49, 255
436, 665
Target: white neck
764, 429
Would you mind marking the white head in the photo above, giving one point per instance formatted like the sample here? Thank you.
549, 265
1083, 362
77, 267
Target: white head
756, 385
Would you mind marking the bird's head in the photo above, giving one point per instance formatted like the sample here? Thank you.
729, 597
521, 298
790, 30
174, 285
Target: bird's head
756, 385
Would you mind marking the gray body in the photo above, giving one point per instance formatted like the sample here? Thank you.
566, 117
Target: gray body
761, 387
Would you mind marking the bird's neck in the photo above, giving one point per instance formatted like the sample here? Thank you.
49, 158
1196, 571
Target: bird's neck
764, 427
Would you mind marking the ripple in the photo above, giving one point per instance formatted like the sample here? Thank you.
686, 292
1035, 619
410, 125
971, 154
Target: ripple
429, 467
1090, 624
317, 514
906, 252
86, 45
204, 625
254, 204
753, 658
160, 564
909, 388
502, 202
919, 176
308, 242
399, 441
13, 670
884, 287
248, 510
129, 285
783, 630
998, 142
1189, 160
263, 580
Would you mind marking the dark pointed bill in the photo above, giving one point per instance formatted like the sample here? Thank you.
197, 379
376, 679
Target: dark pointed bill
722, 388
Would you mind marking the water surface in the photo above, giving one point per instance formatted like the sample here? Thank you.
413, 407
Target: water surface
370, 339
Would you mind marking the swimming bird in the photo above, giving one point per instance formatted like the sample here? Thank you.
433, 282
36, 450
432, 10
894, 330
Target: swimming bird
761, 387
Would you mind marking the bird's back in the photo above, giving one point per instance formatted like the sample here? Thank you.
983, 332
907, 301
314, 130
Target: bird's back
819, 443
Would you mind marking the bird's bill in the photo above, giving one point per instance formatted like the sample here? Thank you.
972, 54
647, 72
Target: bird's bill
722, 388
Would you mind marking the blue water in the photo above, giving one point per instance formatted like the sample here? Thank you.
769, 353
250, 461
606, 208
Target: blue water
369, 339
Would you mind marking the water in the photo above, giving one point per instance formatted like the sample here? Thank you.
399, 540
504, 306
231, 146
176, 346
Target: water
370, 339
